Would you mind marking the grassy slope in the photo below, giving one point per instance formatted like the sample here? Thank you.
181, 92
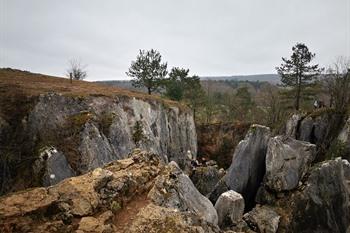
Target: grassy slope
16, 83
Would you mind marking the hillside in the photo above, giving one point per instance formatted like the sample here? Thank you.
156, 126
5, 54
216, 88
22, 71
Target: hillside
18, 82
271, 78
50, 126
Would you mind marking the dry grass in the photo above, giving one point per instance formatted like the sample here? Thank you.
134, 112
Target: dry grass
31, 85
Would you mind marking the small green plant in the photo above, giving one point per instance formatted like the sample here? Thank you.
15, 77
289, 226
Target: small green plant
115, 206
138, 135
106, 121
75, 122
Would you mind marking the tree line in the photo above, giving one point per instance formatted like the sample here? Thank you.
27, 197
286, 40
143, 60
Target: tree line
302, 83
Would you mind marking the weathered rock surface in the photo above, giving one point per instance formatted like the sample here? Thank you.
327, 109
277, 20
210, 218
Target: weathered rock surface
292, 125
174, 189
287, 161
320, 128
170, 131
55, 165
230, 208
248, 165
206, 178
344, 137
321, 205
156, 219
262, 219
91, 131
75, 202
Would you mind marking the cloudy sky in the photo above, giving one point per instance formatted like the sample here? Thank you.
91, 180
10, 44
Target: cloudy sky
210, 37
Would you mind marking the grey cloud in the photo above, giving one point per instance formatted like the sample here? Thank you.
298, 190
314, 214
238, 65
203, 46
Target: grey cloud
209, 37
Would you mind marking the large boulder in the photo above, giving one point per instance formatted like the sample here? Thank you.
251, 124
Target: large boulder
230, 208
53, 166
248, 166
205, 178
287, 161
320, 205
174, 189
262, 219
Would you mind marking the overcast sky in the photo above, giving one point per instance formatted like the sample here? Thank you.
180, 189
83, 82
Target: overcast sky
210, 37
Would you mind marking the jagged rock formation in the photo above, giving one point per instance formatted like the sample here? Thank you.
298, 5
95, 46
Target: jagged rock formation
321, 204
205, 178
262, 219
344, 137
287, 161
230, 208
320, 128
248, 166
174, 189
99, 202
88, 124
107, 127
52, 166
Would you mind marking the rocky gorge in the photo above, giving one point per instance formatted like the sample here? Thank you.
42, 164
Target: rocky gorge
90, 169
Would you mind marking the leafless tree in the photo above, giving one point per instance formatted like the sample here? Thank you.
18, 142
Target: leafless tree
76, 70
337, 84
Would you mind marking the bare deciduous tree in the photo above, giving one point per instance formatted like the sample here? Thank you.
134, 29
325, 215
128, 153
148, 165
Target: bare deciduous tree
337, 84
76, 70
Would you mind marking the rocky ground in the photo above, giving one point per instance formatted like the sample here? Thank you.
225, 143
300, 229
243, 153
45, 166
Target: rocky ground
298, 181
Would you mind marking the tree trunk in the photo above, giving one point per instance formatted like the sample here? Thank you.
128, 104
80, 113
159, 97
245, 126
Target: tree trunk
297, 101
149, 90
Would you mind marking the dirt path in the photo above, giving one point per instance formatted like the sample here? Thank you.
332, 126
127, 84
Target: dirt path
125, 217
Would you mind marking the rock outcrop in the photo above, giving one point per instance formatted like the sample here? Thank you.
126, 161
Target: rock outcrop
230, 208
158, 219
248, 166
90, 131
174, 189
113, 199
344, 137
287, 161
321, 204
320, 127
103, 127
52, 166
205, 178
262, 219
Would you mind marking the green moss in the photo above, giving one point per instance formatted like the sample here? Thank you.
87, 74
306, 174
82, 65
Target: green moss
114, 206
74, 123
336, 149
106, 121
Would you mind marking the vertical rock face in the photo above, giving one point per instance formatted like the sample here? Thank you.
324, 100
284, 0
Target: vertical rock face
292, 125
344, 137
287, 161
230, 208
322, 205
92, 131
320, 128
248, 163
174, 189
